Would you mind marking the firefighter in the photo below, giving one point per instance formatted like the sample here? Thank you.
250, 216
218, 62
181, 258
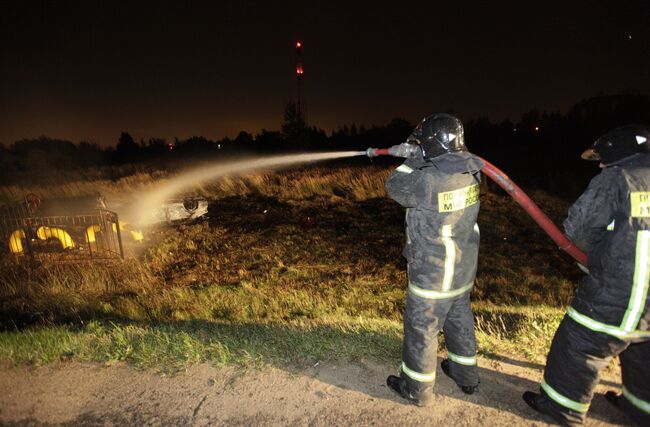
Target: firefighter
610, 314
439, 187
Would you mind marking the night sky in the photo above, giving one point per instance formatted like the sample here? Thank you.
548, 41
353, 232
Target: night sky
89, 70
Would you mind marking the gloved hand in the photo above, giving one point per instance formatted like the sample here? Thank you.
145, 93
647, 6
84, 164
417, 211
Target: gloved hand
404, 150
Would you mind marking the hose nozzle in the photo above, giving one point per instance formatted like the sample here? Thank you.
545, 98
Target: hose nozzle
374, 152
400, 150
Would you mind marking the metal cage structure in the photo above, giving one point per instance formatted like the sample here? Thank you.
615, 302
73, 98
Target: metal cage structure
95, 235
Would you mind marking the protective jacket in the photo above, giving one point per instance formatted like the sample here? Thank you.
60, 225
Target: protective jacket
441, 197
611, 222
442, 200
609, 315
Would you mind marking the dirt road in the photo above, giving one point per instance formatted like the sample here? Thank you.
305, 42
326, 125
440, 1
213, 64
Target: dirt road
324, 395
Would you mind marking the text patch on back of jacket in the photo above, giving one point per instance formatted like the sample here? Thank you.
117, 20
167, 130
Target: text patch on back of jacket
640, 204
456, 200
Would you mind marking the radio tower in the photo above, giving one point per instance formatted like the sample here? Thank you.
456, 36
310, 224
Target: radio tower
299, 73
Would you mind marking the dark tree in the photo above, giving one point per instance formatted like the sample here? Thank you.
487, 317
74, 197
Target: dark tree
294, 123
127, 150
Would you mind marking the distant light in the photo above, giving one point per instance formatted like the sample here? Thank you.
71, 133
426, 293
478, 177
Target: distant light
170, 147
514, 130
298, 44
629, 36
536, 128
299, 70
218, 146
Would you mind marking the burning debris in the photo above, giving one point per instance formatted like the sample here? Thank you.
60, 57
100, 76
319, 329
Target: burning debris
179, 210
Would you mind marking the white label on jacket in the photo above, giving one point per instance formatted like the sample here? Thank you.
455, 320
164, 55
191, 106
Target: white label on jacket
640, 204
458, 199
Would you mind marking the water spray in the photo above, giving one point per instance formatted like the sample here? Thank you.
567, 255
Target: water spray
513, 190
142, 211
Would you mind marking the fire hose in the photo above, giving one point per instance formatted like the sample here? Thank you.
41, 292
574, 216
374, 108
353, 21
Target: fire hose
519, 196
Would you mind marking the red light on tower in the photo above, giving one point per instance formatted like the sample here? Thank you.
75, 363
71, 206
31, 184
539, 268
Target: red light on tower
299, 73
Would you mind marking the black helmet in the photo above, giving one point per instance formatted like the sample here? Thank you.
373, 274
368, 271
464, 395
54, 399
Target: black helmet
618, 144
438, 134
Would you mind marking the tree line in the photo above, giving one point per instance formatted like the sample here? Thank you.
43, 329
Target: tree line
541, 149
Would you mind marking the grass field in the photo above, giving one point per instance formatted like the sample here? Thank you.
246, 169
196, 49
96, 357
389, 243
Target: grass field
289, 267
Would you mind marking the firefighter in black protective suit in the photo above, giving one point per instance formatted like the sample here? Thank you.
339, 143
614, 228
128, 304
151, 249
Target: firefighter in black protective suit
438, 184
610, 314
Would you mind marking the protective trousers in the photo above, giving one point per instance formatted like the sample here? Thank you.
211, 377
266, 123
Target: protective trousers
423, 320
573, 367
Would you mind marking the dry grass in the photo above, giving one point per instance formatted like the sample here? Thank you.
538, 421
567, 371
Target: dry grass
307, 256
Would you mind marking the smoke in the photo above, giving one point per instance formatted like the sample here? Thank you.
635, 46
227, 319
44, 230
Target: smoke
141, 212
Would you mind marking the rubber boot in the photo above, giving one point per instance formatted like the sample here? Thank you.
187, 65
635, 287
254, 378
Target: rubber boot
467, 389
398, 385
